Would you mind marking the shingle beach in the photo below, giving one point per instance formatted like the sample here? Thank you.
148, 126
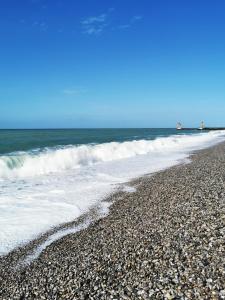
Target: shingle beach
166, 240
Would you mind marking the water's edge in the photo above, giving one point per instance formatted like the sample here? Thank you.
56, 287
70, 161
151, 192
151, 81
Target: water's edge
27, 253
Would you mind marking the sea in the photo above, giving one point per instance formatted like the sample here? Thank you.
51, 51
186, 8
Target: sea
53, 176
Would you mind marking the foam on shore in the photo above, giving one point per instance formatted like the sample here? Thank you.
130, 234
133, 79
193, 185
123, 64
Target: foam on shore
42, 189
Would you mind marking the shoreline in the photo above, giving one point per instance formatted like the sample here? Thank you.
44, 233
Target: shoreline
94, 213
145, 234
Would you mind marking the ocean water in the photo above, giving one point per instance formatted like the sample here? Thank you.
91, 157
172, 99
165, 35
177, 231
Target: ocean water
49, 177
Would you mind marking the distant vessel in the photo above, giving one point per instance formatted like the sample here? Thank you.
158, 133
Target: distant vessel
179, 126
202, 126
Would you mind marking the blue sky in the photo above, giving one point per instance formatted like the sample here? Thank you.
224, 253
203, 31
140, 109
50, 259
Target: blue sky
111, 63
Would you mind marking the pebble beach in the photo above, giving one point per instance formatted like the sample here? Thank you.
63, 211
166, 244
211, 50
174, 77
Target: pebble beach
165, 239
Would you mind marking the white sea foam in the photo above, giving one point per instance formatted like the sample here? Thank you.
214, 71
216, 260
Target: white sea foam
45, 189
128, 189
52, 238
23, 165
103, 210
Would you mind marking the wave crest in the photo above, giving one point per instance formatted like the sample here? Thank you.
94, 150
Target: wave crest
21, 165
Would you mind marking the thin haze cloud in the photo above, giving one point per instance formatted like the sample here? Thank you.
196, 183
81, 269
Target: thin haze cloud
74, 91
136, 18
43, 26
94, 25
133, 20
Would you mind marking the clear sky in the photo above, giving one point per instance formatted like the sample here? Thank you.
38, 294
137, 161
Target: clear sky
111, 63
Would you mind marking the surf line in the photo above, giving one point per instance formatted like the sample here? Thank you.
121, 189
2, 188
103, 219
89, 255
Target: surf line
102, 211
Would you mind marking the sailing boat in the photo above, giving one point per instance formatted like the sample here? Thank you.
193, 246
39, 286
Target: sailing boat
179, 126
202, 126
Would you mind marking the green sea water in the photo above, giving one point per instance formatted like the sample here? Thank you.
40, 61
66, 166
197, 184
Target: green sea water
25, 140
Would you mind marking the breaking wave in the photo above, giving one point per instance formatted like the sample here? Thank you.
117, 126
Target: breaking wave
28, 164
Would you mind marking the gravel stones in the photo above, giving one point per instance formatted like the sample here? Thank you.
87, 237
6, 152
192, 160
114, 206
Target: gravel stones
164, 241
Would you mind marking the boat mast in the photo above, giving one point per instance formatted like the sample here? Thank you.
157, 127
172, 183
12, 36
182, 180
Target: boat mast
179, 126
202, 125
